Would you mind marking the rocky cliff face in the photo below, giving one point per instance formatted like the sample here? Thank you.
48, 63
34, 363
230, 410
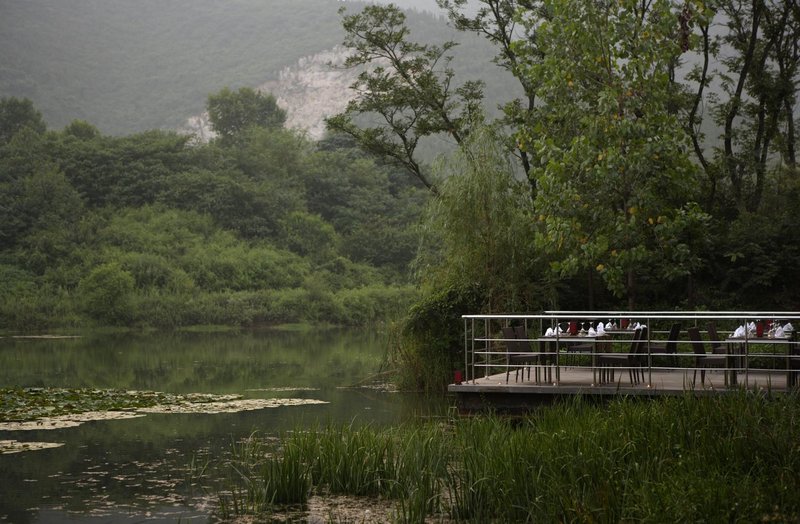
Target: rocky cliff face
315, 87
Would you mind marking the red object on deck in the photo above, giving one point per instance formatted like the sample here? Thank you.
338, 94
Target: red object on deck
458, 377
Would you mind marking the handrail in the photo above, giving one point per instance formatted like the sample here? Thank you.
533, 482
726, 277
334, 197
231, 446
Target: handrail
701, 315
481, 350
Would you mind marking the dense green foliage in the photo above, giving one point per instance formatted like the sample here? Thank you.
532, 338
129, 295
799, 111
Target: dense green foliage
262, 226
645, 188
733, 458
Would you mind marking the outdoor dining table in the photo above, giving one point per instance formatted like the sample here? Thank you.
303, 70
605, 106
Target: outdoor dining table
739, 348
601, 343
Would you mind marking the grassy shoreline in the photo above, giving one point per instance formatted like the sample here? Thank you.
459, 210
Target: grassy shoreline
734, 459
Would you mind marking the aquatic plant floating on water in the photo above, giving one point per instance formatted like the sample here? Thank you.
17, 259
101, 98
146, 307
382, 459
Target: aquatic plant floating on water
55, 408
15, 446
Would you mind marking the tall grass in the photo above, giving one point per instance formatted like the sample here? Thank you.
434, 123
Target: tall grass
734, 458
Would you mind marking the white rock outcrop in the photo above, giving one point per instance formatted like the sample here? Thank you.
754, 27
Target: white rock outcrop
316, 87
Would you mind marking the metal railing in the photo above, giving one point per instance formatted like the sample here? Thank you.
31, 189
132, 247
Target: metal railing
757, 349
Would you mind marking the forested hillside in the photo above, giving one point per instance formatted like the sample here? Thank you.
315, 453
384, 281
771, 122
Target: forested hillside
128, 67
262, 226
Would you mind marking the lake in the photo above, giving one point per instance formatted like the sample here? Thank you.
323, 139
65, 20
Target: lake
147, 469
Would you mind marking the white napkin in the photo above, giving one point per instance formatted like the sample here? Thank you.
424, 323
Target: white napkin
788, 327
592, 332
549, 332
779, 333
601, 329
739, 332
609, 325
751, 327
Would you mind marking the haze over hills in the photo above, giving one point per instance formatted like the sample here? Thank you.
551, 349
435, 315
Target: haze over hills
131, 66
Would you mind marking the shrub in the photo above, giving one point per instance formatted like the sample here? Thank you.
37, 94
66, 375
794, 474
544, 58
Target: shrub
106, 293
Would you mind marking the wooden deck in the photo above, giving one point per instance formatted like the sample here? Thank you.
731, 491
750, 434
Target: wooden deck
494, 393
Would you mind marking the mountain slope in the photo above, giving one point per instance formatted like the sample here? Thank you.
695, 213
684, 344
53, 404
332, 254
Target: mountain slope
128, 66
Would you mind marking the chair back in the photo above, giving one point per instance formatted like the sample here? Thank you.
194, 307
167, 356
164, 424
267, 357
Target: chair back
674, 335
512, 346
697, 341
635, 342
642, 346
716, 343
523, 344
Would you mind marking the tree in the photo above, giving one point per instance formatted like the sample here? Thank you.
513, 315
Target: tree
407, 87
756, 60
106, 293
231, 112
17, 114
480, 228
611, 157
497, 21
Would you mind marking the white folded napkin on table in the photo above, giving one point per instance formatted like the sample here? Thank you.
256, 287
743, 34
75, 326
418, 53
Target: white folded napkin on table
738, 332
788, 327
549, 332
592, 332
600, 328
779, 333
751, 327
609, 325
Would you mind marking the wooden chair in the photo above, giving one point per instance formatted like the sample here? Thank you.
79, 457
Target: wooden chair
714, 340
545, 361
703, 360
516, 356
670, 346
607, 363
576, 348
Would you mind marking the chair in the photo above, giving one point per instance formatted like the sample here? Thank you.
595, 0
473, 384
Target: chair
631, 360
670, 346
546, 356
515, 354
638, 358
580, 347
705, 360
714, 340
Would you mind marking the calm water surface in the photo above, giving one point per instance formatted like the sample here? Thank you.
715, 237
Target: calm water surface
140, 470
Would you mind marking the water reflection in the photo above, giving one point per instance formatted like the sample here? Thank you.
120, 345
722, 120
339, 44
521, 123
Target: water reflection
142, 469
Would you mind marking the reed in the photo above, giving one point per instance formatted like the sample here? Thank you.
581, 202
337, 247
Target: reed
727, 458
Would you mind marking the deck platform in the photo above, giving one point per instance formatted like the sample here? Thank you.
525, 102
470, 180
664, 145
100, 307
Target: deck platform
672, 348
493, 393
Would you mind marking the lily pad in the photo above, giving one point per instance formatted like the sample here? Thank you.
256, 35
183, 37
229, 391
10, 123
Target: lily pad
15, 446
54, 408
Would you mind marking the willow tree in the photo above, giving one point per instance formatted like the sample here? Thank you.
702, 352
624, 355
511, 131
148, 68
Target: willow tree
477, 256
609, 154
481, 225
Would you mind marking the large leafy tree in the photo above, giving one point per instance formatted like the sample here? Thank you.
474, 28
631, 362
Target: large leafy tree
233, 112
17, 114
498, 22
755, 60
611, 157
405, 91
